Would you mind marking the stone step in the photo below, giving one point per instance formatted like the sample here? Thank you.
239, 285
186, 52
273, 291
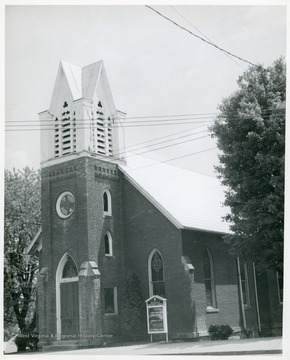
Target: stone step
65, 342
51, 348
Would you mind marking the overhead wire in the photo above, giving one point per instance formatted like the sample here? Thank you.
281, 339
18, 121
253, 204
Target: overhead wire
190, 116
176, 158
207, 38
199, 37
30, 125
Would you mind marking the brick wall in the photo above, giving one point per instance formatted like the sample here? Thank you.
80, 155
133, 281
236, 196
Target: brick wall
195, 244
146, 229
81, 235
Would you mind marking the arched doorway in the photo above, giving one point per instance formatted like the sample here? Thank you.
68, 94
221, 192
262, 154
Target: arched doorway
67, 298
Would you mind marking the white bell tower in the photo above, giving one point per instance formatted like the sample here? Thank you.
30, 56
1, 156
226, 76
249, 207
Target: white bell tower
82, 116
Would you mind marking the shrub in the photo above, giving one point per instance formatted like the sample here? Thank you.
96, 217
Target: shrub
26, 340
220, 332
133, 308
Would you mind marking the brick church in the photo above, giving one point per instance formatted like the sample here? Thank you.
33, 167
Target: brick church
105, 215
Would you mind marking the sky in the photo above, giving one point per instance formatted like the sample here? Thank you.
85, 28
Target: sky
154, 67
156, 70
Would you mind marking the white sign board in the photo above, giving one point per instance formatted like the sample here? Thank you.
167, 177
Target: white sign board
157, 315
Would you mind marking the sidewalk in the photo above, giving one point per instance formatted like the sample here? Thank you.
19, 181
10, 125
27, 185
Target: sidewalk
228, 347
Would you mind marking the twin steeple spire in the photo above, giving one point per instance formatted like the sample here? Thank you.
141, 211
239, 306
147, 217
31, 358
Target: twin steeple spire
82, 114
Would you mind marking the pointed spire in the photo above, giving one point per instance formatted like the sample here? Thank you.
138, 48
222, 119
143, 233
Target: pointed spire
74, 78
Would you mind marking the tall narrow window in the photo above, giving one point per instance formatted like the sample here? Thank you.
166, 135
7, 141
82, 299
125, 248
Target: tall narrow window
107, 203
245, 284
209, 280
156, 274
108, 244
111, 302
280, 286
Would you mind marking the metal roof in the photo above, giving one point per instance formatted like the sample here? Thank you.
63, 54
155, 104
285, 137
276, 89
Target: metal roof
188, 199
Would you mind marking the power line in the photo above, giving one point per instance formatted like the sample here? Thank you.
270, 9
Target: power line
192, 116
88, 127
176, 158
182, 142
199, 37
204, 35
87, 123
162, 142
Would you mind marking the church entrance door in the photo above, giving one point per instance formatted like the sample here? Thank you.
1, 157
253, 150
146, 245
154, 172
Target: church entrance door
69, 309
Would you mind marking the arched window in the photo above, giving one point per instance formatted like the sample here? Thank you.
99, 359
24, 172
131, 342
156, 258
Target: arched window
108, 244
209, 280
156, 274
107, 203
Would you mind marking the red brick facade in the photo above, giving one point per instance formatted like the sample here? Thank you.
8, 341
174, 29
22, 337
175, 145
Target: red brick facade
137, 227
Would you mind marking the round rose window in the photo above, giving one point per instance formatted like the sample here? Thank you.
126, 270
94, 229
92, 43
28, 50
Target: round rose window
65, 204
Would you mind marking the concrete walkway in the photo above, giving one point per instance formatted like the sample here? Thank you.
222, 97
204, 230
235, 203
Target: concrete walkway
229, 347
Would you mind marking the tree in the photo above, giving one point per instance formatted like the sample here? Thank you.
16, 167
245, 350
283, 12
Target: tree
21, 222
250, 133
133, 307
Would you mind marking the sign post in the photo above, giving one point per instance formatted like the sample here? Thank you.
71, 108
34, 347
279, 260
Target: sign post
157, 316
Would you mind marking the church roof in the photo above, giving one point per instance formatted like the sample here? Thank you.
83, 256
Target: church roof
188, 199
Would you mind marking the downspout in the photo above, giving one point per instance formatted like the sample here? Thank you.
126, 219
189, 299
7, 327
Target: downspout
241, 295
257, 300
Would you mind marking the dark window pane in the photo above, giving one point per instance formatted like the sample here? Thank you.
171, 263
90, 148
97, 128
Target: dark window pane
105, 199
69, 269
207, 270
109, 301
158, 288
107, 245
157, 267
208, 291
244, 291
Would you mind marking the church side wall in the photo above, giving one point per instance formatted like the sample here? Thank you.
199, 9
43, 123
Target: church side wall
227, 309
146, 228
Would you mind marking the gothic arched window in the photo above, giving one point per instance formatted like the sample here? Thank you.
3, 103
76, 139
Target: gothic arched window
69, 269
107, 203
156, 274
209, 280
108, 244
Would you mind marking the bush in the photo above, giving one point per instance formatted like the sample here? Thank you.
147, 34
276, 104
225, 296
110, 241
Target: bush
220, 332
26, 340
133, 308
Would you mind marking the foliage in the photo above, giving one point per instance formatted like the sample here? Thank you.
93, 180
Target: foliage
21, 222
26, 340
250, 133
220, 332
133, 307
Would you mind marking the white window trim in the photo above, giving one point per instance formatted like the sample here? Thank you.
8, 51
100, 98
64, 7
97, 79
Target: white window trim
115, 301
109, 212
110, 244
150, 272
